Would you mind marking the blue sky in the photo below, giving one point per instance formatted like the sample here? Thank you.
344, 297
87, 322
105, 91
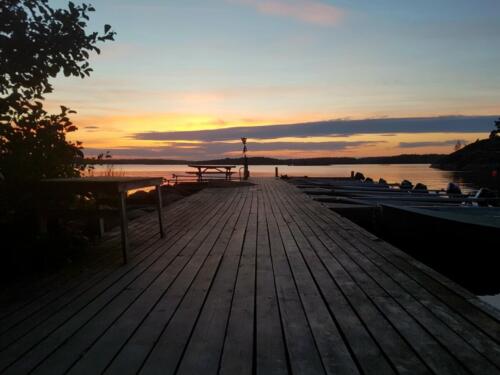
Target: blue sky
212, 64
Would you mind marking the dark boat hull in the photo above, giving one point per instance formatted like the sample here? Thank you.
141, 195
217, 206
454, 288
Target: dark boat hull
462, 251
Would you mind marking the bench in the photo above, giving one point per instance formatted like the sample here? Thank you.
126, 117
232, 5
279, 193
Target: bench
115, 186
200, 170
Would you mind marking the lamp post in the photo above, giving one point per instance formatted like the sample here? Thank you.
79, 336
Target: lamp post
246, 172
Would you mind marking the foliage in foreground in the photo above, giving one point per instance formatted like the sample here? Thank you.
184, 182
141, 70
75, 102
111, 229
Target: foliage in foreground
37, 42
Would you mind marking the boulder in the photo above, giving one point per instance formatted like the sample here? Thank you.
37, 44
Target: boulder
381, 181
453, 188
359, 176
406, 185
421, 187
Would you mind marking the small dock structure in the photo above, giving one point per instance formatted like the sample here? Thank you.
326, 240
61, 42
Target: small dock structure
255, 279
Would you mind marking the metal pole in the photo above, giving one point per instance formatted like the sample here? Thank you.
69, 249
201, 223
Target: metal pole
124, 224
246, 173
245, 170
159, 208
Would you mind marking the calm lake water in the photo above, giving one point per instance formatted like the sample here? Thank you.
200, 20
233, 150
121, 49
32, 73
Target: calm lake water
433, 178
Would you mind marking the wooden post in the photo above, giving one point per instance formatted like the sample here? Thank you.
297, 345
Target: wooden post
102, 227
159, 206
124, 224
100, 219
275, 171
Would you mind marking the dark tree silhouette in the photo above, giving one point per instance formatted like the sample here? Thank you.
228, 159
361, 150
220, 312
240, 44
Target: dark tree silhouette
495, 131
37, 42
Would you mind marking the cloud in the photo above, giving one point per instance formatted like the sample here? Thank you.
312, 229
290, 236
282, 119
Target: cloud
450, 142
308, 11
194, 151
91, 129
450, 124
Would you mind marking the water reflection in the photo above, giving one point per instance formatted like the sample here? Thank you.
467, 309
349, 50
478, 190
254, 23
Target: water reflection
475, 179
433, 178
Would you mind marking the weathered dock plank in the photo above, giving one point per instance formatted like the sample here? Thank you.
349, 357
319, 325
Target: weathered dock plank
47, 337
23, 320
237, 351
270, 351
257, 279
405, 298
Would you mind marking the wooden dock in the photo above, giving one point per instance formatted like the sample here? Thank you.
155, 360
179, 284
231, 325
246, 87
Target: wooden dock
249, 280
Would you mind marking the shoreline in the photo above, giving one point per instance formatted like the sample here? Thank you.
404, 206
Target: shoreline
321, 161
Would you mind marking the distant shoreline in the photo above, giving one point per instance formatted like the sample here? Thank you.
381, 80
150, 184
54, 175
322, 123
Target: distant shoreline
399, 159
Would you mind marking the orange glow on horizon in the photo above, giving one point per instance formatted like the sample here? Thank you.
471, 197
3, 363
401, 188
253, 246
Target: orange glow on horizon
116, 132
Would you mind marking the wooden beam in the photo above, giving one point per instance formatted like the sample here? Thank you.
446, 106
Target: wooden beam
124, 225
159, 207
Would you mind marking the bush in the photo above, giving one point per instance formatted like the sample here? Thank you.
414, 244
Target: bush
37, 42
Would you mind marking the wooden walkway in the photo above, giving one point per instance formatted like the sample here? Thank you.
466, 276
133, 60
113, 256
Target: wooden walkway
250, 280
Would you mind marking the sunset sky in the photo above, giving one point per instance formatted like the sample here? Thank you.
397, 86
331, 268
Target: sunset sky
183, 73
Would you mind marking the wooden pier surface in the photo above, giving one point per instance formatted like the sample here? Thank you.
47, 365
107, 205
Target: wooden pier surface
249, 280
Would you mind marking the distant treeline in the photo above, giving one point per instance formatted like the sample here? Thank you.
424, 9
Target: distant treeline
399, 159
